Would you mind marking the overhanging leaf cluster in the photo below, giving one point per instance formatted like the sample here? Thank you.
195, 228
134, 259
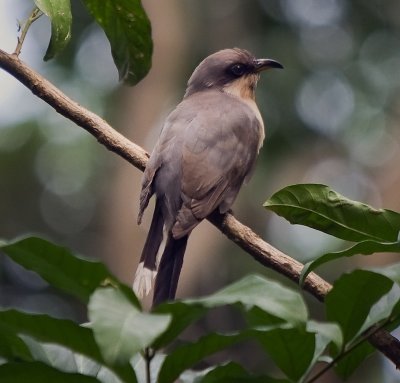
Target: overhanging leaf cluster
319, 207
125, 24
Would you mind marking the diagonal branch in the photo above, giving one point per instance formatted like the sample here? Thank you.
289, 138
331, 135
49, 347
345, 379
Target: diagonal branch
243, 236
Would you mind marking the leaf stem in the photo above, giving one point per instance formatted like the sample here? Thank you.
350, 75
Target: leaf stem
148, 356
35, 14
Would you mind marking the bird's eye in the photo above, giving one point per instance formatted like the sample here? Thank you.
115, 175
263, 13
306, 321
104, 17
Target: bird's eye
238, 69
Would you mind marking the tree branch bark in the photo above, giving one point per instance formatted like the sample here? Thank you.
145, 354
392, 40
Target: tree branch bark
243, 236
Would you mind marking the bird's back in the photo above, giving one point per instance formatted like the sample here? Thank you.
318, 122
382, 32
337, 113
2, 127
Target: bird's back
206, 148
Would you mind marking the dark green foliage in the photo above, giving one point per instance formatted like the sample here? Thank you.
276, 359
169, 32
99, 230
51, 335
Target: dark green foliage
37, 372
59, 13
320, 207
350, 301
125, 24
71, 274
119, 330
129, 32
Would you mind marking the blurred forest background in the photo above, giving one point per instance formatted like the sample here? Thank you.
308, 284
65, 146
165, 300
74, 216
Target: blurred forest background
332, 116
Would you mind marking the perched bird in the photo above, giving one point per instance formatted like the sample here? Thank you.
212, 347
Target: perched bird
206, 150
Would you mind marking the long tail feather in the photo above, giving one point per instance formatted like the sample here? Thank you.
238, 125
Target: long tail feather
169, 270
148, 261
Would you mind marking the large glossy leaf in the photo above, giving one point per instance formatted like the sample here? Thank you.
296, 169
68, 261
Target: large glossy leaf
64, 359
12, 347
350, 362
364, 248
386, 307
381, 309
253, 291
257, 291
325, 334
256, 317
59, 331
292, 349
263, 303
59, 13
233, 372
189, 354
37, 372
58, 266
321, 208
351, 299
52, 330
129, 31
120, 329
391, 271
183, 315
328, 332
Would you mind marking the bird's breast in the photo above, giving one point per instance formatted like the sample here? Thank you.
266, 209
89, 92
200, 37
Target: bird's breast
245, 96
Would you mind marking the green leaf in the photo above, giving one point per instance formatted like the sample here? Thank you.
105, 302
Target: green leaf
292, 349
275, 301
326, 332
391, 271
364, 248
226, 373
59, 13
321, 208
58, 266
52, 330
259, 318
257, 291
120, 329
64, 359
351, 298
59, 331
183, 315
12, 347
189, 354
37, 372
349, 363
386, 307
234, 373
128, 29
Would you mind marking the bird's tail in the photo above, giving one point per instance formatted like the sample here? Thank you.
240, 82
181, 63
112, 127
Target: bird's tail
169, 269
146, 270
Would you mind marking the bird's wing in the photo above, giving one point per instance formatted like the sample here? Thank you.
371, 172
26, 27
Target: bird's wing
220, 148
147, 187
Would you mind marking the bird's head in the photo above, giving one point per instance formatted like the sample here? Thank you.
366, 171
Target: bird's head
235, 71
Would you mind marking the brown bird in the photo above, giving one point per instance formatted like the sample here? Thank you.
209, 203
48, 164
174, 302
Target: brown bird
206, 150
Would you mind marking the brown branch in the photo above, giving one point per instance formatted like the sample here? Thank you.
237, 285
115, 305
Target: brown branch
70, 109
243, 236
268, 255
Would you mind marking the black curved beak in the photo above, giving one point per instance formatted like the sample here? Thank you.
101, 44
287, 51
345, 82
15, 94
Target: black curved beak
264, 64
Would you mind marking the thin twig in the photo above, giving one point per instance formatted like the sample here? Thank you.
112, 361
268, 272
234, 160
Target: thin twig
243, 236
35, 14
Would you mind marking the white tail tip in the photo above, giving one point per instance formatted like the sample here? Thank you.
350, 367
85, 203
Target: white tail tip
143, 280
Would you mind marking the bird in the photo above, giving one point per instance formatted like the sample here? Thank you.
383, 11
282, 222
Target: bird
206, 151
